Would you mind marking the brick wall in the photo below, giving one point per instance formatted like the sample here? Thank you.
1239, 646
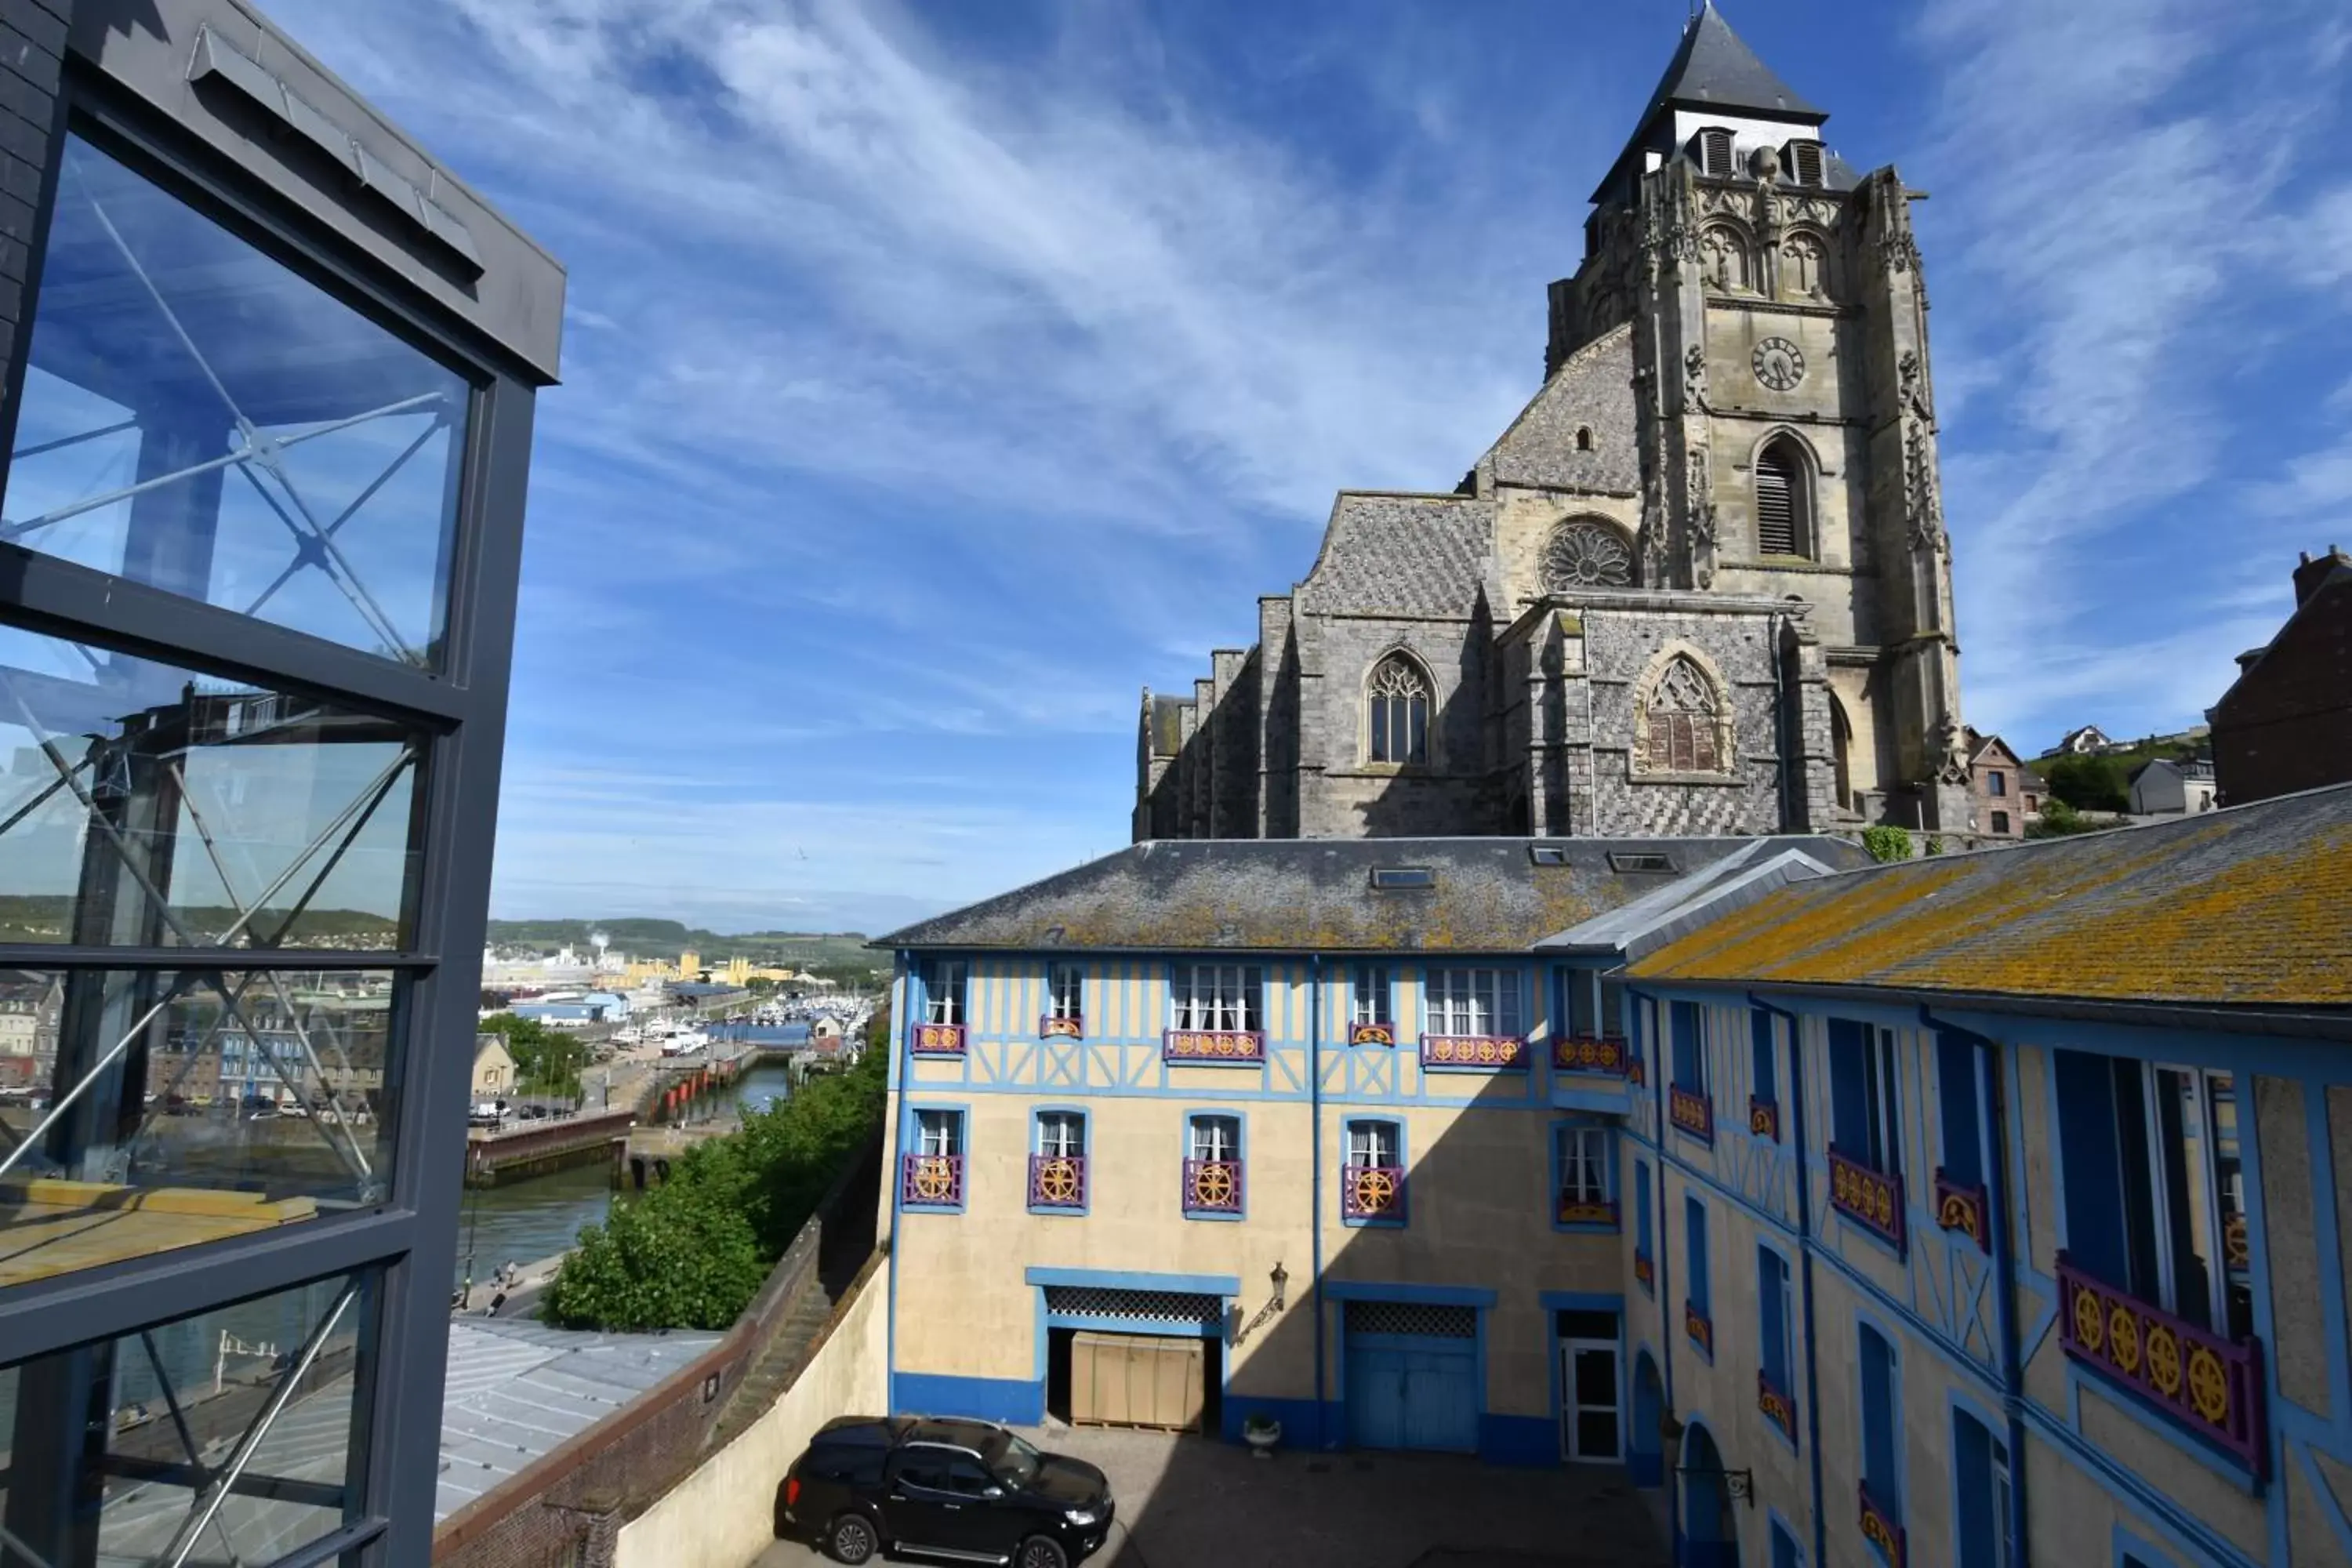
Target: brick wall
2286, 725
568, 1506
32, 56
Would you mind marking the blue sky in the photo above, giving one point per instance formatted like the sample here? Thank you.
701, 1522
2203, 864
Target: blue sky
937, 376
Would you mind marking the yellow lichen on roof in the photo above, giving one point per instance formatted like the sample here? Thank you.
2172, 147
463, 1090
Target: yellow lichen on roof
2227, 909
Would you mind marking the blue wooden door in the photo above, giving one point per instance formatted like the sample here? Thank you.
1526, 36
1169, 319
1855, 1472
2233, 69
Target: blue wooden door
1411, 1390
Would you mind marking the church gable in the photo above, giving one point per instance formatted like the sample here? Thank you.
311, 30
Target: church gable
1412, 555
1578, 433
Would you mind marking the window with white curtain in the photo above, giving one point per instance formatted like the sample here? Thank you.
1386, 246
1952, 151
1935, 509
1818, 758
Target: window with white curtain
943, 984
1061, 1133
1370, 1002
1224, 996
1474, 1002
1214, 1138
1584, 1164
938, 1132
1067, 985
1372, 1145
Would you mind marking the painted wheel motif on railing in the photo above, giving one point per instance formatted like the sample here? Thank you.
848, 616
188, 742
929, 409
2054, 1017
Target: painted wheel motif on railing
1374, 1189
2123, 1336
2209, 1384
2090, 1320
934, 1181
1058, 1180
2164, 1359
1212, 1186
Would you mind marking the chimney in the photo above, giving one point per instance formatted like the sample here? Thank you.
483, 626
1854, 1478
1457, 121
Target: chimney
2310, 574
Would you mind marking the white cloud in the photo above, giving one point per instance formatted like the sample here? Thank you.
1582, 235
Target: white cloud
2112, 179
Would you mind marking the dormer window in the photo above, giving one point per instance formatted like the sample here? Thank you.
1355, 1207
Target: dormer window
1714, 149
1803, 161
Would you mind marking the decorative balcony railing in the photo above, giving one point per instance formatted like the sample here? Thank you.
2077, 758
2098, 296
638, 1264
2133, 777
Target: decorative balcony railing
1473, 1053
1764, 1118
1701, 1329
1586, 1054
1213, 1047
2235, 1253
1212, 1186
2210, 1385
1777, 1407
1878, 1527
1635, 1073
1692, 1113
936, 1179
1058, 1180
938, 1040
1574, 1210
1872, 1199
1961, 1207
1646, 1273
1372, 1192
1066, 1026
1367, 1033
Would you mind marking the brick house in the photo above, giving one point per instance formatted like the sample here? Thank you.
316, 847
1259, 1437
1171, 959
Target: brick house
2004, 796
2286, 723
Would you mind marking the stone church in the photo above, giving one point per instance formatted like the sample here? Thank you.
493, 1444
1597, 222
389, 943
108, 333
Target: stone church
1700, 585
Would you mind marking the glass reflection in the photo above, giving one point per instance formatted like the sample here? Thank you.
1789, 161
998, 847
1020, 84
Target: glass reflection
145, 805
222, 1437
161, 1110
198, 418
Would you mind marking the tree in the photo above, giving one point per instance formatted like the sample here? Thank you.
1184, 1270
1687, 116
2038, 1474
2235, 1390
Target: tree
2090, 783
1886, 842
691, 1253
2059, 820
547, 1061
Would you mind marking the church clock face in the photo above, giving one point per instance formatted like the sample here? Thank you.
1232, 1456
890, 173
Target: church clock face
1777, 363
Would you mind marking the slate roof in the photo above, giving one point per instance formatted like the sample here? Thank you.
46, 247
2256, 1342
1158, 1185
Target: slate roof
517, 1389
2248, 907
1714, 69
1740, 877
1593, 388
1303, 895
1385, 553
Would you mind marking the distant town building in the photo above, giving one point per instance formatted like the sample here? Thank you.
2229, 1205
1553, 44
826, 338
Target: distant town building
2087, 742
2286, 723
494, 1068
2163, 785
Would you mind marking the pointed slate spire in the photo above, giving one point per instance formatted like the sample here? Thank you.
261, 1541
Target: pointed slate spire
1714, 69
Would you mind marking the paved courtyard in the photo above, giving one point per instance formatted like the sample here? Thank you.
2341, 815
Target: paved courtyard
1185, 1502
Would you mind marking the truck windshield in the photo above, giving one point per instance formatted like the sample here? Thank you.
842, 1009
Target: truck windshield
1014, 1462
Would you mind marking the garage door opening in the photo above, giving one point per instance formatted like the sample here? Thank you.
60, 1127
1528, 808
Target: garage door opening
1135, 1358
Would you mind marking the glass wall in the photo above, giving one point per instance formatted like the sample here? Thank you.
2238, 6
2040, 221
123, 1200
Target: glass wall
228, 1435
198, 417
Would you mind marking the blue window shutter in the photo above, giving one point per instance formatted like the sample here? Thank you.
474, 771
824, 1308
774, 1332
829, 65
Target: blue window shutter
1770, 1301
1849, 1088
1978, 1528
1785, 1553
1642, 1207
1881, 1444
1956, 1073
2090, 1157
1690, 1072
1697, 1239
1759, 1029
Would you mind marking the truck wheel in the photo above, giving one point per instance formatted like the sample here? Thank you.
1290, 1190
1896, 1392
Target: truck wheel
851, 1538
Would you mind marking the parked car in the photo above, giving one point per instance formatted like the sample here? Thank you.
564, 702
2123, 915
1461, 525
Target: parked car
960, 1489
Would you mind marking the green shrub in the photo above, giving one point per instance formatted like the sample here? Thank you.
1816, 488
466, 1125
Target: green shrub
692, 1252
1886, 843
2090, 784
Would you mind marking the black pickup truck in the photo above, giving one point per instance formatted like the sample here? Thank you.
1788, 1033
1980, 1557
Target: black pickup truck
963, 1491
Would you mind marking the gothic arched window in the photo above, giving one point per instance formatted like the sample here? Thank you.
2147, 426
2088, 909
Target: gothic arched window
1784, 499
1396, 722
1684, 722
1804, 266
1723, 260
1586, 553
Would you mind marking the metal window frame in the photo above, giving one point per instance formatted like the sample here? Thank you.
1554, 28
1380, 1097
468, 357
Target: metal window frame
461, 707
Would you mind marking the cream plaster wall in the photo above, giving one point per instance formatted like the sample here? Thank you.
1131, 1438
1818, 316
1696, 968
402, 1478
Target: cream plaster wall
725, 1511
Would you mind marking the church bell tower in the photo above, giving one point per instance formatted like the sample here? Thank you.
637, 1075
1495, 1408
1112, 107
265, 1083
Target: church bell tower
1784, 403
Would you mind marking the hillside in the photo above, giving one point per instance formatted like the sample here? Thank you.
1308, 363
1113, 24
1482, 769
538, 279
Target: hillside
645, 938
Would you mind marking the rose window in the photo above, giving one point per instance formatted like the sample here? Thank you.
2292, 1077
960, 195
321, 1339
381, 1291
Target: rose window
1587, 555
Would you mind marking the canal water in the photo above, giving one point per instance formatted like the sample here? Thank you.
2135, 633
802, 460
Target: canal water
522, 1222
